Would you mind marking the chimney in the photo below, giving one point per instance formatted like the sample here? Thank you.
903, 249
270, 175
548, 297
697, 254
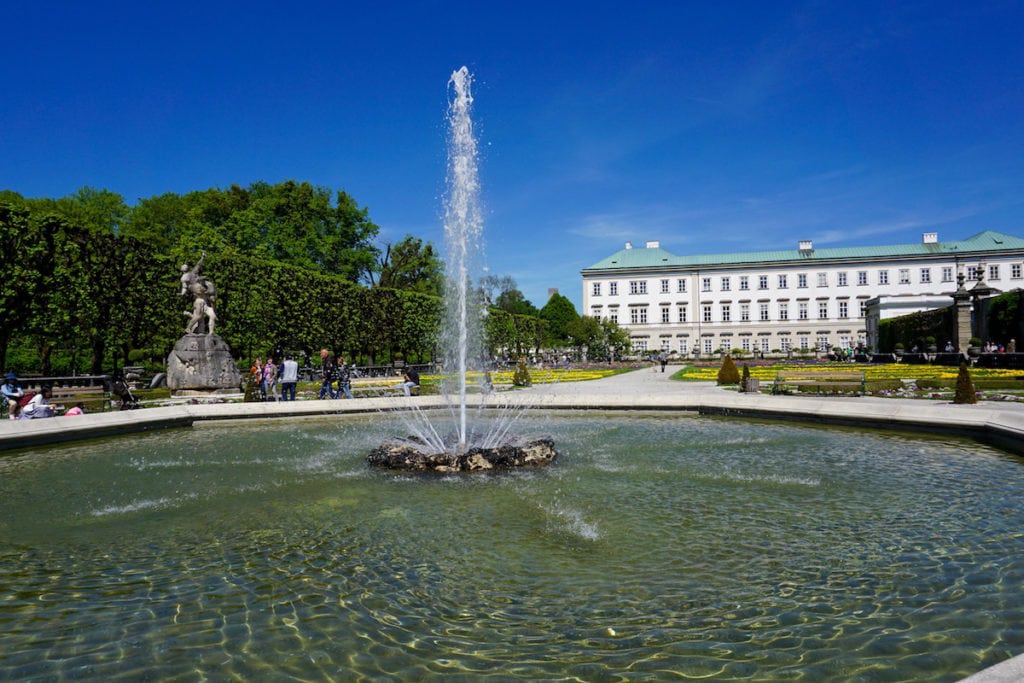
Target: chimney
930, 238
629, 245
653, 245
806, 245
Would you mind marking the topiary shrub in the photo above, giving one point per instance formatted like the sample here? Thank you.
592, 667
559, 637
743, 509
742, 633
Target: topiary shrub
521, 377
728, 374
964, 387
745, 381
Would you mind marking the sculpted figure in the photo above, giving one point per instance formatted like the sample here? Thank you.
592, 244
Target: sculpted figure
204, 295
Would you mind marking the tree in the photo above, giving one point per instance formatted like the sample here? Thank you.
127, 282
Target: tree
26, 250
409, 265
558, 312
964, 387
586, 336
728, 374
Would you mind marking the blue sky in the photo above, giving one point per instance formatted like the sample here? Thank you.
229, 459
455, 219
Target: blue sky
712, 127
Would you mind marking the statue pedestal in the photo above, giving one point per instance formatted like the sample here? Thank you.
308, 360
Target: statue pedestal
202, 363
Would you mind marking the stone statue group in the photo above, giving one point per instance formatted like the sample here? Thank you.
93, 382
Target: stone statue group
202, 317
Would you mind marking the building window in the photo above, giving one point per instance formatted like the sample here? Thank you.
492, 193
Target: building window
681, 310
638, 286
707, 314
681, 285
801, 310
904, 276
947, 273
844, 341
783, 311
883, 277
666, 314
613, 315
640, 345
726, 313
596, 289
841, 279
822, 343
705, 284
993, 272
613, 288
822, 310
665, 344
725, 283
762, 282
926, 275
683, 347
744, 282
1015, 271
745, 312
664, 286
844, 309
862, 277
823, 279
638, 315
707, 345
764, 312
745, 343
801, 280
782, 282
785, 345
972, 273
863, 308
804, 343
764, 344
596, 311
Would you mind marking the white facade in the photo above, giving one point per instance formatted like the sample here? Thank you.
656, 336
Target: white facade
786, 300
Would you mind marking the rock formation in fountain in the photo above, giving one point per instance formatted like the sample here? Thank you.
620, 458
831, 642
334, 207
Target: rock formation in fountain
410, 455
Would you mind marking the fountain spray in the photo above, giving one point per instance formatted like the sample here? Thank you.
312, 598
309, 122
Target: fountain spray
463, 227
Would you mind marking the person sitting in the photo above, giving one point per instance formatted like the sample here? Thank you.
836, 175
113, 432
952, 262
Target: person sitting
411, 379
77, 409
12, 393
39, 406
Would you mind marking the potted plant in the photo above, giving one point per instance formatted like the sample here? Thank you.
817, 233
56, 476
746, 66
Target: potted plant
974, 347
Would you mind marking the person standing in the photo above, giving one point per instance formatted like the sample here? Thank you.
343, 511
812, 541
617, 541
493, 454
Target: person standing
257, 374
1012, 346
289, 378
12, 393
344, 377
270, 375
664, 360
326, 375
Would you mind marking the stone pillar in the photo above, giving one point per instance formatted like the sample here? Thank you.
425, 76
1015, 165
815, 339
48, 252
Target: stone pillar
962, 316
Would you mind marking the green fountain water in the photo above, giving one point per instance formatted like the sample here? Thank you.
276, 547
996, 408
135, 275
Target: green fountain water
658, 547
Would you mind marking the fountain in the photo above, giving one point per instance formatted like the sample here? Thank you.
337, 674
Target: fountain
462, 448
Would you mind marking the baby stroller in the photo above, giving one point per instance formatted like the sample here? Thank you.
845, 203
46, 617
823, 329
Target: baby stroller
122, 391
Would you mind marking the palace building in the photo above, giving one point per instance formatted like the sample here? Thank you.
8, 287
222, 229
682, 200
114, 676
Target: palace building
787, 300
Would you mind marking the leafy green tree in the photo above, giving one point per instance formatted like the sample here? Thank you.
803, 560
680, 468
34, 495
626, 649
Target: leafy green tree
410, 265
26, 250
585, 334
616, 339
558, 312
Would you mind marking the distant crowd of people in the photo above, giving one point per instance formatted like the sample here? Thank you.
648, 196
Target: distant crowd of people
279, 382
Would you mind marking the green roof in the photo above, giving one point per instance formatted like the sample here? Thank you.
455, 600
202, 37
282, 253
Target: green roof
986, 241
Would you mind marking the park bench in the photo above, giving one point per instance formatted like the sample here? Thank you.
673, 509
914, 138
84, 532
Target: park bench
95, 398
819, 382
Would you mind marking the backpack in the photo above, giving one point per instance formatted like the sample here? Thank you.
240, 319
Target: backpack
24, 400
